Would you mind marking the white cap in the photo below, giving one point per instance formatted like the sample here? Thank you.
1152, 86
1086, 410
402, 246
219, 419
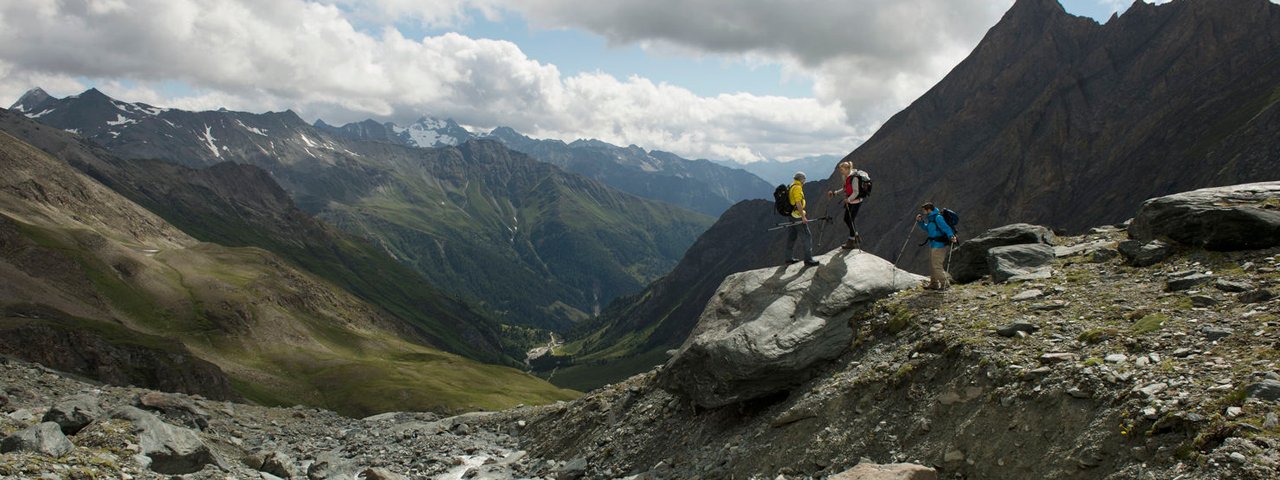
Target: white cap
799, 176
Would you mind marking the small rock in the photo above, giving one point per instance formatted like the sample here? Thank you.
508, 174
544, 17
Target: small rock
1012, 329
1256, 296
1264, 390
382, 474
1140, 254
278, 464
74, 413
1231, 286
1057, 357
22, 415
331, 466
573, 469
1215, 333
1076, 392
896, 471
1203, 301
1150, 413
1270, 422
1028, 295
1233, 412
1115, 358
44, 438
1154, 388
1187, 282
1238, 457
953, 455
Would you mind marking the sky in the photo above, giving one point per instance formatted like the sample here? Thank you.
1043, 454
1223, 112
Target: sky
742, 80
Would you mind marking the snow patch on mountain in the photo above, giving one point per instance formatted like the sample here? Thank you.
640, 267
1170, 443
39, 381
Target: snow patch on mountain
121, 120
38, 115
307, 141
252, 129
208, 139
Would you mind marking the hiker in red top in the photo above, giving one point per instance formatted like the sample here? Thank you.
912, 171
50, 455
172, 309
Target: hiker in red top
857, 185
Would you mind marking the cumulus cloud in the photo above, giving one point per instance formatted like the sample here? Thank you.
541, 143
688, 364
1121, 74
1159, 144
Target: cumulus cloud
873, 57
259, 55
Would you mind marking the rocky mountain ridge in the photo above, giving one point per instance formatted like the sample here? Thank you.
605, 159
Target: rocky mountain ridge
1053, 119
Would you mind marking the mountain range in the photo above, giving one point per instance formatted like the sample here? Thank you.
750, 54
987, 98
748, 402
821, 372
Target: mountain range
1053, 119
523, 239
698, 185
99, 285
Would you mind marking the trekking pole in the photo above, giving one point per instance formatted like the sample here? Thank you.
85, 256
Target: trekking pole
905, 241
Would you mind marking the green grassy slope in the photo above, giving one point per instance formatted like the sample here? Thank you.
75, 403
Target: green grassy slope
282, 335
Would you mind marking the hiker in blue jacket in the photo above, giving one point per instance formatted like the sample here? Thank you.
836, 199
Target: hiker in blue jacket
940, 237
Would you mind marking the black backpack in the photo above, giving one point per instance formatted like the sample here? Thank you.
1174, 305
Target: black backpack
864, 183
952, 218
782, 201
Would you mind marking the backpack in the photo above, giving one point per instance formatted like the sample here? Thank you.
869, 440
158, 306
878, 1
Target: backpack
864, 184
952, 218
782, 201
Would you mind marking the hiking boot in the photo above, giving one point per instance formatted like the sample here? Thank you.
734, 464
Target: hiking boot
793, 261
811, 263
849, 244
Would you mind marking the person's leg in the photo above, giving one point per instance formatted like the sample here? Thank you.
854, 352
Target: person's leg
791, 242
850, 212
937, 277
807, 237
853, 220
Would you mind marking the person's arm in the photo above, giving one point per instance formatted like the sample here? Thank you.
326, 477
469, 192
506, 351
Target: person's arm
797, 200
945, 229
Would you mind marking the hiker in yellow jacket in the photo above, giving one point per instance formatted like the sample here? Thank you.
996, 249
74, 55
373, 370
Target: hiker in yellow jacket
796, 195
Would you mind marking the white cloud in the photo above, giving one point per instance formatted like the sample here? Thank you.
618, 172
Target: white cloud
872, 57
277, 54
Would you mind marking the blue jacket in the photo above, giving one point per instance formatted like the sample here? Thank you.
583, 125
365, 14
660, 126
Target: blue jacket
936, 227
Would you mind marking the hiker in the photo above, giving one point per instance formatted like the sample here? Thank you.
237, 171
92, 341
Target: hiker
795, 195
940, 237
853, 196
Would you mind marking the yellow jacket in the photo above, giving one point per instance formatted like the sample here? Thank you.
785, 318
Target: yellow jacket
796, 192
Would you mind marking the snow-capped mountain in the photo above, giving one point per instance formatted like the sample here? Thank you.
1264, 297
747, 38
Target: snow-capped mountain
427, 132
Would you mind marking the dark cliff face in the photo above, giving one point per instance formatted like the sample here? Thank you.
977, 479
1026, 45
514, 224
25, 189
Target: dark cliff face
1053, 119
1057, 120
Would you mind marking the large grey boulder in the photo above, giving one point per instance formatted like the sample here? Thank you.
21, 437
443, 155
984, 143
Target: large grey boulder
969, 260
1020, 262
764, 330
1238, 217
173, 450
74, 413
44, 438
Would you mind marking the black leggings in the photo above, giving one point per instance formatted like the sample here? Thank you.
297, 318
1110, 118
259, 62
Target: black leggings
850, 215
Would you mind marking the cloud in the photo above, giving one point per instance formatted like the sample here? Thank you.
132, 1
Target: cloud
259, 55
871, 56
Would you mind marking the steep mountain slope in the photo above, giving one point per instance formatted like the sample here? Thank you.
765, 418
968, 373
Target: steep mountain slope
520, 237
699, 185
1053, 119
240, 205
77, 257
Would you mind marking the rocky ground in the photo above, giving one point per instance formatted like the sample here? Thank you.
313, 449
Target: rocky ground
1100, 371
1098, 357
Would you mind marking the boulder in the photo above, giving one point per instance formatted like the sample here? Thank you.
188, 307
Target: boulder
332, 466
969, 261
44, 438
894, 471
74, 413
1144, 254
764, 330
1265, 390
1187, 282
1238, 217
1020, 262
173, 450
